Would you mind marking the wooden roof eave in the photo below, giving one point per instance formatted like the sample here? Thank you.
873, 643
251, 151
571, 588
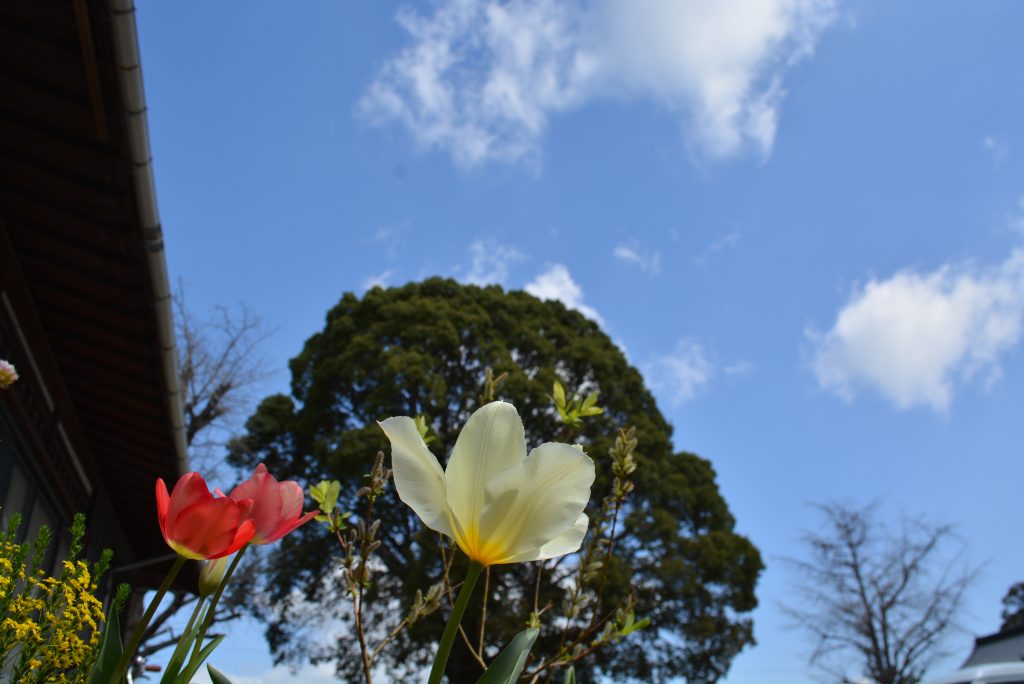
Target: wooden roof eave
126, 51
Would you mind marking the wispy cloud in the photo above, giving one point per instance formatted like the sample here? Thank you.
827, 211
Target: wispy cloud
649, 262
490, 262
997, 148
379, 280
480, 78
1017, 217
915, 337
557, 283
389, 237
740, 368
682, 373
727, 241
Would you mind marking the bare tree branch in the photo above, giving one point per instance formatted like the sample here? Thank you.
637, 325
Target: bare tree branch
879, 601
219, 369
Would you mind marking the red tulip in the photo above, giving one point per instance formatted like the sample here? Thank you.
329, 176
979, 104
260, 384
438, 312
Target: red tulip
196, 524
276, 506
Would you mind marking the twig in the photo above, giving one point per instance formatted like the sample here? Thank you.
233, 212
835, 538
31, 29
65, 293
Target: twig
607, 558
388, 638
536, 588
483, 608
554, 661
447, 563
364, 558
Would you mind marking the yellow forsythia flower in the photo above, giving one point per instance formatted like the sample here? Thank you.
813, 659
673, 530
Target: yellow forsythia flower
56, 622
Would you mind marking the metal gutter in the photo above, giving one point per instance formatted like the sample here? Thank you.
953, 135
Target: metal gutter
133, 100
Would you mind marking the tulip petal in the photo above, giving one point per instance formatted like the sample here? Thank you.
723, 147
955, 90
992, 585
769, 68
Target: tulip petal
284, 526
492, 441
244, 534
292, 499
281, 514
531, 503
264, 491
210, 529
276, 506
419, 480
190, 489
162, 501
567, 542
256, 486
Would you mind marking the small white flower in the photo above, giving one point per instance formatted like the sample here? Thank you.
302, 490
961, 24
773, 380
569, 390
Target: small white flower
7, 374
499, 504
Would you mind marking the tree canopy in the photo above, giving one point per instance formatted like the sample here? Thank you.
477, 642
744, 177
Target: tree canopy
423, 349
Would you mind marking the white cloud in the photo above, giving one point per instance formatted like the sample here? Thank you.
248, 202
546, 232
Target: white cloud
915, 336
557, 283
490, 262
682, 373
649, 262
379, 280
481, 78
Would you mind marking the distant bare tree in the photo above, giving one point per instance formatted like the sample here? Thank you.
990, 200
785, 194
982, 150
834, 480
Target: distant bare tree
219, 368
879, 600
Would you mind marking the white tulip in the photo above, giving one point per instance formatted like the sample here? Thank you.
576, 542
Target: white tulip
499, 504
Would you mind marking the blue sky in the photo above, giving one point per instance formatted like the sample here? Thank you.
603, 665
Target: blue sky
802, 219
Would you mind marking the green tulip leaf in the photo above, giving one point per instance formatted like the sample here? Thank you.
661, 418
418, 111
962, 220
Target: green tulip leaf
110, 651
198, 659
216, 676
174, 665
507, 667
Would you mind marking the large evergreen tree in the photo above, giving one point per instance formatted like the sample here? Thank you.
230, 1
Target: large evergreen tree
1013, 608
423, 349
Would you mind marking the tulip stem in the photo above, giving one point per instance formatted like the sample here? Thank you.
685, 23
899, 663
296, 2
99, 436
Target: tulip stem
133, 643
445, 647
179, 651
212, 609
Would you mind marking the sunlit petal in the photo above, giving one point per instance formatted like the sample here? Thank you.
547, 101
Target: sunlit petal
536, 500
567, 542
210, 529
419, 480
277, 506
497, 503
492, 440
197, 525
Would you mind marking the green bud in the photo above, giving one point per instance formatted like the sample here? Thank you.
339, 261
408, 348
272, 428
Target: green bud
211, 575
